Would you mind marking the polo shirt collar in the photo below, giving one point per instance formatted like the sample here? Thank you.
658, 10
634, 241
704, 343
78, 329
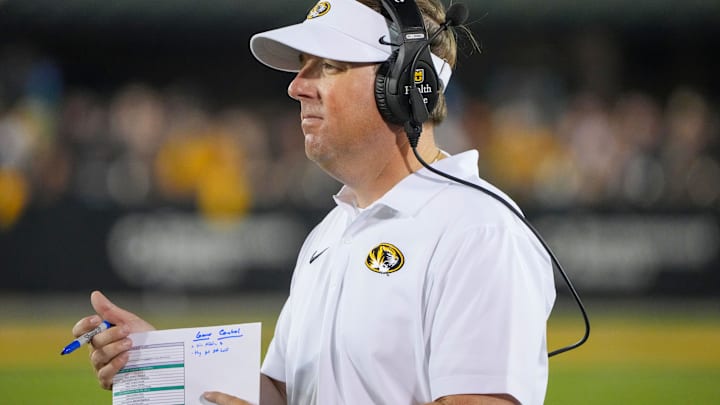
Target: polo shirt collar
412, 193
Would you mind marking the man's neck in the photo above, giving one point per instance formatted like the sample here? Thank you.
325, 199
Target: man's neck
374, 184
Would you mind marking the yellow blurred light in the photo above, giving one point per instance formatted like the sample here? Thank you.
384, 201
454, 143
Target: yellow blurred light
13, 197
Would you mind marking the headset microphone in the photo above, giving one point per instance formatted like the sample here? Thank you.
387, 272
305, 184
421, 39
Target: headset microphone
455, 15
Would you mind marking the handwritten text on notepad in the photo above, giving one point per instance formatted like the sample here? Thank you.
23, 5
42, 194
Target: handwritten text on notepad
210, 342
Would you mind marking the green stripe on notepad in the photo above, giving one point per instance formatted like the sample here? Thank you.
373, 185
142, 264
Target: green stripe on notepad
130, 370
128, 392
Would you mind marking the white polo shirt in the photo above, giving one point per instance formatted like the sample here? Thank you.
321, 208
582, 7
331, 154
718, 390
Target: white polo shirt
435, 289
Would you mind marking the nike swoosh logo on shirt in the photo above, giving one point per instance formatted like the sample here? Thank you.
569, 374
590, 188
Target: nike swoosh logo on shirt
317, 254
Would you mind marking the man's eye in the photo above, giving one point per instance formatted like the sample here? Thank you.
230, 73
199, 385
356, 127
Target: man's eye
331, 67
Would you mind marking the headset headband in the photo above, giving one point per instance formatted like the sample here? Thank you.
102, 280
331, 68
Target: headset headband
407, 15
412, 36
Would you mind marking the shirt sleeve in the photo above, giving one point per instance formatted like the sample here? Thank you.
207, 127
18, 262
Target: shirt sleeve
486, 315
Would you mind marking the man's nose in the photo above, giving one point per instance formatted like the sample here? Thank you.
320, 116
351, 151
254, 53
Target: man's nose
301, 86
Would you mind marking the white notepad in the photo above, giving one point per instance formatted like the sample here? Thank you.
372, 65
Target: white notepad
176, 366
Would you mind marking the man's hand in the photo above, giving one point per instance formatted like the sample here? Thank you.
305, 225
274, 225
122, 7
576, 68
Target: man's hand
108, 350
223, 399
497, 399
272, 392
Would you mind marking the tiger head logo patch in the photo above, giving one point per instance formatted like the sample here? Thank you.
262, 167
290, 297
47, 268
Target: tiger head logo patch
319, 10
385, 259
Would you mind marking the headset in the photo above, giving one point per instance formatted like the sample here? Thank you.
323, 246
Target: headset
409, 66
407, 88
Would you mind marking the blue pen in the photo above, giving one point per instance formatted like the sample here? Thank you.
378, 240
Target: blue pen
75, 344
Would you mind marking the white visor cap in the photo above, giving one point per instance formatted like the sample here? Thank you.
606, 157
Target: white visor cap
342, 30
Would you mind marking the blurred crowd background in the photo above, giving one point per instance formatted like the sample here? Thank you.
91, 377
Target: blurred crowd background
142, 146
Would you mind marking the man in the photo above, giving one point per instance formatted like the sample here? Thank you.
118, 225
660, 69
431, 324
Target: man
414, 289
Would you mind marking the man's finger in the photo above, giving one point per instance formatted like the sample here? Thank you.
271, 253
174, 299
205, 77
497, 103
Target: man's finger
116, 315
220, 398
106, 374
103, 355
109, 311
85, 325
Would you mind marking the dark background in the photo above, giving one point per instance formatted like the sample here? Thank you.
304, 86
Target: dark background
548, 76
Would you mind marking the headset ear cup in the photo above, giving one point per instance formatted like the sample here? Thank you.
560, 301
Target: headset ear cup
381, 92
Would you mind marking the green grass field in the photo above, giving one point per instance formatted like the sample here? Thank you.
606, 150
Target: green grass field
637, 354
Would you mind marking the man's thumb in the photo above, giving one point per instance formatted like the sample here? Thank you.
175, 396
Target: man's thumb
109, 311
